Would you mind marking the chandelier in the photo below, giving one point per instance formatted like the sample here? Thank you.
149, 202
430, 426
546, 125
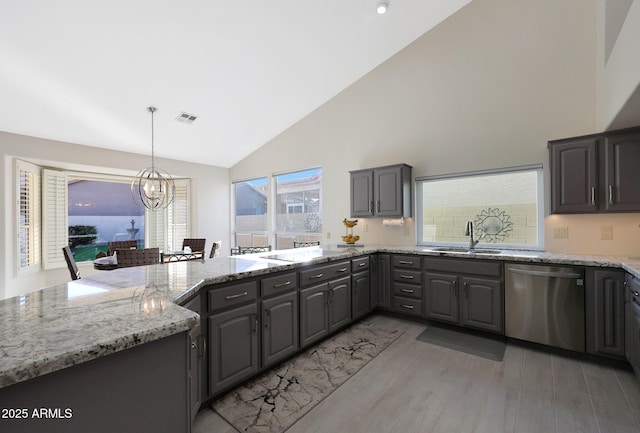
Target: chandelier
153, 188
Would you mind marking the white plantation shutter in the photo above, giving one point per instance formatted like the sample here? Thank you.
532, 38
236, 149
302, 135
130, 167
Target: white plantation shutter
55, 231
29, 217
178, 215
166, 228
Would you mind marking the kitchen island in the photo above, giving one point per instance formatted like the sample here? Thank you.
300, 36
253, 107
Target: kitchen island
122, 312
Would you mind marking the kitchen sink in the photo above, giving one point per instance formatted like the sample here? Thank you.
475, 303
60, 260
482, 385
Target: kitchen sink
464, 250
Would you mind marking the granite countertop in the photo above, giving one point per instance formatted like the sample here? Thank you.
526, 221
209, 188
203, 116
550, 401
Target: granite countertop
57, 327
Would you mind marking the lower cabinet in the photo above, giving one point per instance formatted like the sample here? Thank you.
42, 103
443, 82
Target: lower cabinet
468, 293
323, 309
383, 281
604, 306
361, 288
233, 346
279, 327
196, 360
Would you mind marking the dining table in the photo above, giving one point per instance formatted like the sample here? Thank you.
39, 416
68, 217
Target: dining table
106, 263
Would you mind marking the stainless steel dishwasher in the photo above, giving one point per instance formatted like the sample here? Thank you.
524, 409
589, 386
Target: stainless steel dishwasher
545, 304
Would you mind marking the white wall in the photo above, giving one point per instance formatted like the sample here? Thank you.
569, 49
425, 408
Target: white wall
487, 88
209, 189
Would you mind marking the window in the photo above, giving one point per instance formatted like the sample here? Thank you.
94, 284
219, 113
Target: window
298, 207
504, 205
250, 206
87, 211
101, 211
29, 230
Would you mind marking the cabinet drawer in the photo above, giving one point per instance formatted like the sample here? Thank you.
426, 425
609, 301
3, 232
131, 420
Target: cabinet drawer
407, 305
360, 264
232, 295
464, 266
407, 290
407, 276
319, 274
411, 262
278, 284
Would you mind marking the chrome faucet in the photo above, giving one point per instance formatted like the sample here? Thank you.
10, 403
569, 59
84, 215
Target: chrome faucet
468, 231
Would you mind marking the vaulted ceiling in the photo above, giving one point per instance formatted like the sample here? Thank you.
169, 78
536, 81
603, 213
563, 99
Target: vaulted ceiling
85, 72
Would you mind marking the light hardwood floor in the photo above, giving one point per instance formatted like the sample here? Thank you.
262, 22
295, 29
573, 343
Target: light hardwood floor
416, 387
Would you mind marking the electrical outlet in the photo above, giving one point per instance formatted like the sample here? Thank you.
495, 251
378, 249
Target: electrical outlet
561, 232
365, 228
606, 233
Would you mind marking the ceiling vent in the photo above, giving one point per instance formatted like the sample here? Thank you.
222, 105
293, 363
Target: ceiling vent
186, 118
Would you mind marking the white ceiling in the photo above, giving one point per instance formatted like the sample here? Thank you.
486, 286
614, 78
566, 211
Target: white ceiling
85, 71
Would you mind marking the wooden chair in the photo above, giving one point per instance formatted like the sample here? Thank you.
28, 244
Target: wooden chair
196, 244
71, 263
138, 257
121, 245
250, 250
301, 244
215, 249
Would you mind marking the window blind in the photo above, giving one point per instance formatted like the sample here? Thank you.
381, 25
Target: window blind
54, 218
29, 219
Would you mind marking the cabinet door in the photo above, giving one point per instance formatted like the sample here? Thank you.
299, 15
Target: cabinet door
629, 321
196, 362
383, 270
441, 297
387, 191
635, 347
233, 346
339, 303
622, 159
361, 287
362, 193
574, 176
605, 312
481, 304
279, 327
314, 315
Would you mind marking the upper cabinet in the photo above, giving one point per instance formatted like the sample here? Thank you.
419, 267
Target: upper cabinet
596, 173
381, 192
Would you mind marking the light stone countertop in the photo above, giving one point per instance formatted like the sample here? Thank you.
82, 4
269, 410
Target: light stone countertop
61, 326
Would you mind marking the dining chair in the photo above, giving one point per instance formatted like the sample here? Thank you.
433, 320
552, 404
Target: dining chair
121, 245
71, 263
215, 249
196, 244
138, 257
251, 250
301, 244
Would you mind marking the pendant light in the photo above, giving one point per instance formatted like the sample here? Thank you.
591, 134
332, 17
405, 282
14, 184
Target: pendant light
153, 188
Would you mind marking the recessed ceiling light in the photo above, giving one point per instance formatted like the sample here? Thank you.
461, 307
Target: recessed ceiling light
186, 117
382, 7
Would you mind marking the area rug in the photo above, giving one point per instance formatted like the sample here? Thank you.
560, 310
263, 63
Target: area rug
490, 348
275, 400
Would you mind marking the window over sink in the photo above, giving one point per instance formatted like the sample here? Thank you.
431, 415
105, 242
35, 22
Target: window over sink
505, 205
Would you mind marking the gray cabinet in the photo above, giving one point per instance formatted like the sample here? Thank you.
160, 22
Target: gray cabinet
406, 274
196, 360
632, 320
325, 300
574, 175
381, 192
360, 287
279, 327
382, 279
233, 335
467, 292
596, 173
604, 304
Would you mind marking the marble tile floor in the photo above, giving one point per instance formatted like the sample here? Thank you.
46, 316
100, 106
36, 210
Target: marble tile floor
416, 387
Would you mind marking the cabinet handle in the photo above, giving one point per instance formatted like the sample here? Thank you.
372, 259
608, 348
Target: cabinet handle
362, 264
239, 295
277, 286
406, 290
194, 345
635, 293
409, 307
466, 289
316, 276
268, 319
371, 206
610, 194
329, 297
405, 262
255, 322
378, 206
593, 195
202, 346
455, 289
342, 269
407, 277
